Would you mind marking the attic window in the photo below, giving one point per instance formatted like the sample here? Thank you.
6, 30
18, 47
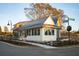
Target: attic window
20, 25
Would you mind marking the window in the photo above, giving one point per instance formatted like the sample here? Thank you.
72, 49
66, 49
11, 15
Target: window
46, 33
35, 31
20, 25
52, 32
25, 33
38, 32
28, 32
20, 33
32, 31
49, 32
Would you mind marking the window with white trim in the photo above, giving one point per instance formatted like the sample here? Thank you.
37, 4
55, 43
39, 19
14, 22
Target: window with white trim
49, 32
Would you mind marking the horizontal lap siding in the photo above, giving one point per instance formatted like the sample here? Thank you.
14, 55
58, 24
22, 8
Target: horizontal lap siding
34, 38
46, 38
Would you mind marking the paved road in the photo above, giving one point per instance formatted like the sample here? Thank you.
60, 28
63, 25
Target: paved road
8, 50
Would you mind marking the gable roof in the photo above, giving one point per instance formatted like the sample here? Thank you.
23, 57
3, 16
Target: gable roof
21, 22
54, 20
36, 23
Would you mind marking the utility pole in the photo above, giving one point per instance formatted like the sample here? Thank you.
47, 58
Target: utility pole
68, 29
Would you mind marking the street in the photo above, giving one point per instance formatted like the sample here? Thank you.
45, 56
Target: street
9, 50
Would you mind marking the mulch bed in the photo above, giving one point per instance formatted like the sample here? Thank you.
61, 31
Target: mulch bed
54, 43
19, 43
65, 43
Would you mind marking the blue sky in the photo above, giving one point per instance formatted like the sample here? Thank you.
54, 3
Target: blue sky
72, 10
15, 12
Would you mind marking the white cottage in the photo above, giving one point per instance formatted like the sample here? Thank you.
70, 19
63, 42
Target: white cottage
43, 30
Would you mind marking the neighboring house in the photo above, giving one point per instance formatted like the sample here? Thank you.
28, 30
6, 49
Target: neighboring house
41, 30
4, 31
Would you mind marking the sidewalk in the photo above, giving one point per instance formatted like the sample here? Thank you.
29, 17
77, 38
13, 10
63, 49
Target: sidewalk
40, 45
36, 44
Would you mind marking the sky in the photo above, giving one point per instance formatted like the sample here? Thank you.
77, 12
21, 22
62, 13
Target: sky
15, 12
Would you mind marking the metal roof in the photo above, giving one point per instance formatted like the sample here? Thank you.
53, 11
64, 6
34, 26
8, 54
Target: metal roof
54, 20
36, 23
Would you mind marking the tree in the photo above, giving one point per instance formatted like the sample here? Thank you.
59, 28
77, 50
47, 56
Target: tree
42, 10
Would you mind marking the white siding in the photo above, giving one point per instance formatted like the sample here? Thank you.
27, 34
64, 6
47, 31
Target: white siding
49, 21
46, 38
42, 37
22, 38
36, 38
